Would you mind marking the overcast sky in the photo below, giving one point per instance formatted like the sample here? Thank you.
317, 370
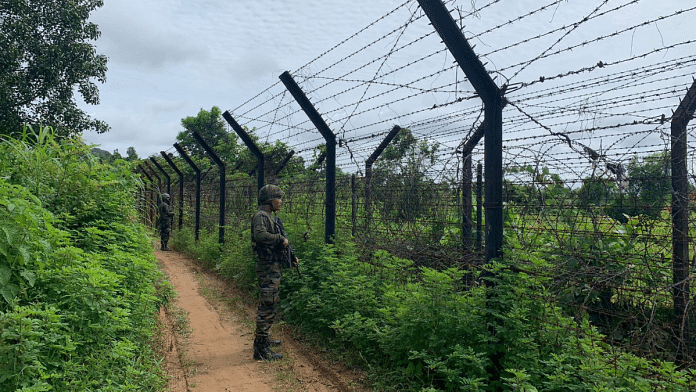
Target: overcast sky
169, 59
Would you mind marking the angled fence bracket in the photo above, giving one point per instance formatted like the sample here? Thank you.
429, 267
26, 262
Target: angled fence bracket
221, 166
164, 173
315, 117
154, 174
368, 174
284, 163
260, 159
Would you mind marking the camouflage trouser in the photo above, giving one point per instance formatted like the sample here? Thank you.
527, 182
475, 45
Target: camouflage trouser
164, 230
268, 274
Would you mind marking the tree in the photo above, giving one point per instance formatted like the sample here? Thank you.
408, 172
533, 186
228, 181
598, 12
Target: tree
211, 126
131, 155
649, 184
648, 191
400, 177
597, 192
274, 155
45, 55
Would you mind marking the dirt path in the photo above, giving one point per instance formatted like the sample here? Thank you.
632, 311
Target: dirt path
217, 355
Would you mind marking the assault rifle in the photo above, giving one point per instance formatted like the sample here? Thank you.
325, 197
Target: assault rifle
288, 252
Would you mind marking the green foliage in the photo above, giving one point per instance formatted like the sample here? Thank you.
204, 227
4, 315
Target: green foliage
131, 155
400, 177
211, 126
645, 190
597, 192
47, 54
421, 329
107, 157
78, 278
650, 185
541, 187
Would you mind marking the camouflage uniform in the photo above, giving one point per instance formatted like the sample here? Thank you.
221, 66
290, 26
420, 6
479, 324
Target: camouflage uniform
270, 246
267, 245
165, 220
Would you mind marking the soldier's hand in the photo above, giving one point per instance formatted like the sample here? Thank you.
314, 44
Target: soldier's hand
296, 262
285, 243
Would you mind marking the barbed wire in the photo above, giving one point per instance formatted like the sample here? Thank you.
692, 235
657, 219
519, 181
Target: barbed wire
606, 36
573, 28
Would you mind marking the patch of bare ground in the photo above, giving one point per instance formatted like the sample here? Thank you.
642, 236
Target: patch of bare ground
216, 352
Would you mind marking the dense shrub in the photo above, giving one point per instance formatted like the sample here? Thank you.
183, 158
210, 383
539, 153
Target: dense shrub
77, 275
420, 329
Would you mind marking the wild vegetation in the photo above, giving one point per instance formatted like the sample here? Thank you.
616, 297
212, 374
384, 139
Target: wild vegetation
543, 318
78, 281
422, 329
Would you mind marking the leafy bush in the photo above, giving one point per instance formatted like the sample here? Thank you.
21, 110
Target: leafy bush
77, 275
421, 329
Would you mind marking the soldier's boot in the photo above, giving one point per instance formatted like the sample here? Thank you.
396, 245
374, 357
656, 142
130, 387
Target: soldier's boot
164, 245
262, 351
274, 343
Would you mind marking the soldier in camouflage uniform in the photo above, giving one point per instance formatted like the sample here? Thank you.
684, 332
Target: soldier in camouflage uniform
268, 244
165, 219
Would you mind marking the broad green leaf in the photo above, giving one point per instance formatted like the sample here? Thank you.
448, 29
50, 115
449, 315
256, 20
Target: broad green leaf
10, 233
5, 275
9, 291
24, 252
29, 276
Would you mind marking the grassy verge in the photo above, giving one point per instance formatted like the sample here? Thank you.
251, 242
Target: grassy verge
79, 285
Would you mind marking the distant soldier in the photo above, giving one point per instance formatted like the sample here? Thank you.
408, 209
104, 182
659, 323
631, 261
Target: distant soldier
165, 219
272, 249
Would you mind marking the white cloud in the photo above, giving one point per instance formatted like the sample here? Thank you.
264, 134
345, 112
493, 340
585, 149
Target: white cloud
168, 59
139, 33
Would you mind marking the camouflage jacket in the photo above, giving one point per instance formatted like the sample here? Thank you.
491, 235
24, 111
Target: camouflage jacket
165, 214
266, 240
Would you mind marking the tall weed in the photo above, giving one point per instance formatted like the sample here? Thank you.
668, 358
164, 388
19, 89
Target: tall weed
79, 284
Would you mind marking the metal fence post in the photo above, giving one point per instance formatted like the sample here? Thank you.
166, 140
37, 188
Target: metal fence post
148, 211
494, 103
467, 218
315, 117
353, 203
479, 206
221, 165
181, 186
680, 221
195, 168
169, 180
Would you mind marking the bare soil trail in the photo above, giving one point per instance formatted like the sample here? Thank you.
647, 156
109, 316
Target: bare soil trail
217, 354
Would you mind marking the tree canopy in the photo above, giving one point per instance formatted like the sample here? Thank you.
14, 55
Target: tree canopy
400, 176
210, 125
45, 55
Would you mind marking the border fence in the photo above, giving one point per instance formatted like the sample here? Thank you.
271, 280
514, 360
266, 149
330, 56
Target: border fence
452, 134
